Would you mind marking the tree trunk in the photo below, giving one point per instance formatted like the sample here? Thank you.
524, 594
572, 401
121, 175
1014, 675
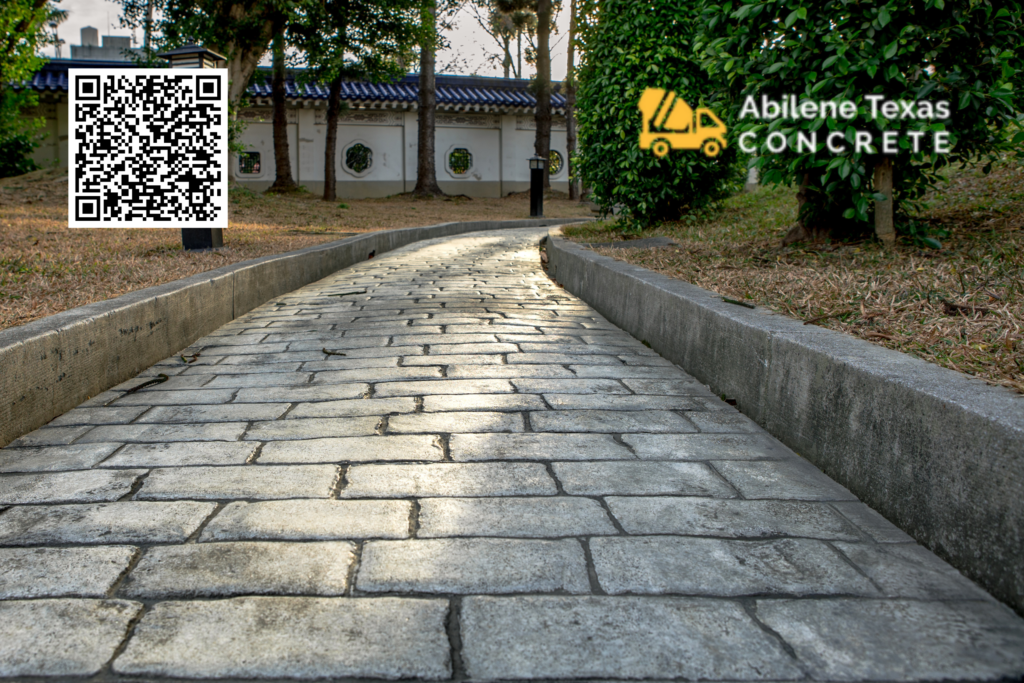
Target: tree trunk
283, 182
570, 103
542, 143
426, 172
885, 229
333, 110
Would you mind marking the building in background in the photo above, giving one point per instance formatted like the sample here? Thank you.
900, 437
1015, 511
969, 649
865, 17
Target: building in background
114, 48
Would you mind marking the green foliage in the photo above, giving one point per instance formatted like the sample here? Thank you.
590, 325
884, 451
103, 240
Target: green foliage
966, 52
628, 47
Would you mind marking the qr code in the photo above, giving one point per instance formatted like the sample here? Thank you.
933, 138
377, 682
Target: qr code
148, 148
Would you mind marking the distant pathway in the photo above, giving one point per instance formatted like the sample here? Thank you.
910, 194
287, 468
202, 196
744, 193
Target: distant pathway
492, 483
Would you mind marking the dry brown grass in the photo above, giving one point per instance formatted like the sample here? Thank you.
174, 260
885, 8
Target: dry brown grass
45, 267
961, 307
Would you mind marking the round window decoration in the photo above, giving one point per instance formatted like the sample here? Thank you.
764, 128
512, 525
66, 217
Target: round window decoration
358, 158
555, 163
460, 161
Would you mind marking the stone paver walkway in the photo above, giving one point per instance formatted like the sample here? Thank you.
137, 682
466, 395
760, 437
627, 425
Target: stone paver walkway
491, 483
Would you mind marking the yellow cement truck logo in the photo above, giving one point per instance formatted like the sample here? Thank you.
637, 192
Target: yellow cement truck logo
670, 123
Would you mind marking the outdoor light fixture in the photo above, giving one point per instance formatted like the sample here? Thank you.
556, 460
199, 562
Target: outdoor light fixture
196, 57
537, 185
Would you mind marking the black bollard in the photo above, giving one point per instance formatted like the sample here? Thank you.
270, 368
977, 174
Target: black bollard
537, 186
199, 239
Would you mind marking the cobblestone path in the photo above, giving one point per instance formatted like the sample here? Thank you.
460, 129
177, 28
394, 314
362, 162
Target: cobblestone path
491, 483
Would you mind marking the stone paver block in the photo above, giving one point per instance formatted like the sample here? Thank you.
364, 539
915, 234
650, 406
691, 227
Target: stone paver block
122, 522
60, 572
616, 637
292, 637
55, 458
437, 359
61, 637
270, 379
298, 394
626, 372
857, 640
175, 398
466, 447
569, 386
376, 375
183, 453
98, 416
791, 479
448, 386
457, 402
706, 447
507, 371
476, 565
313, 428
310, 520
597, 402
614, 421
723, 422
447, 349
355, 449
710, 566
354, 407
563, 359
247, 481
253, 568
447, 479
549, 517
87, 486
146, 433
640, 479
730, 518
216, 413
873, 524
907, 570
456, 422
51, 436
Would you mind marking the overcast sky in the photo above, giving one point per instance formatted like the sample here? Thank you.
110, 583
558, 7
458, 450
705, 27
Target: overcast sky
469, 43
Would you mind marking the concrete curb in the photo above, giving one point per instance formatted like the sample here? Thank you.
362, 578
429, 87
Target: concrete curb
51, 365
937, 453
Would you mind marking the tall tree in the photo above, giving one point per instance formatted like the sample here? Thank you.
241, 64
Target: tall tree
506, 28
426, 171
569, 88
283, 181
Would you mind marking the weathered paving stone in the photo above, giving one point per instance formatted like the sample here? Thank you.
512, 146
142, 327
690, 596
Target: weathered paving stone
468, 447
907, 570
456, 422
172, 398
270, 379
447, 480
706, 447
243, 568
310, 520
298, 394
506, 371
51, 436
625, 372
248, 367
87, 486
563, 359
858, 640
550, 517
98, 416
313, 428
461, 402
55, 458
292, 637
477, 565
723, 422
730, 518
435, 359
569, 386
354, 408
448, 386
616, 637
182, 454
154, 433
597, 402
716, 567
791, 479
355, 449
641, 478
439, 348
376, 375
873, 524
61, 637
102, 523
610, 421
60, 572
247, 481
217, 413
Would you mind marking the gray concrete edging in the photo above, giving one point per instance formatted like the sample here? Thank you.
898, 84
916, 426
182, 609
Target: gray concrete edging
50, 365
939, 454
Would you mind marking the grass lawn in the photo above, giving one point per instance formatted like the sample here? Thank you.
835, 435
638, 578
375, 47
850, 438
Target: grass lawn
45, 267
961, 306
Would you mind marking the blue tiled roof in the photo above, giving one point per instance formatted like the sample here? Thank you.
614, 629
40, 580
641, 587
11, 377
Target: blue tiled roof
451, 90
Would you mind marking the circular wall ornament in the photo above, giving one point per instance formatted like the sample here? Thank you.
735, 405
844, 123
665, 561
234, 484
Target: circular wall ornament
357, 159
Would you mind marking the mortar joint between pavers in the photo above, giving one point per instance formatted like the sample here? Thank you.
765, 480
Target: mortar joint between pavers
137, 554
445, 440
371, 389
611, 518
418, 403
245, 432
290, 408
595, 583
856, 567
414, 518
136, 486
739, 494
549, 467
106, 672
617, 438
749, 605
382, 425
256, 453
339, 485
353, 569
194, 536
527, 425
453, 626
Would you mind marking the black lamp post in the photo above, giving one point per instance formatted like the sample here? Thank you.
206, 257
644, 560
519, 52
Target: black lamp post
537, 186
195, 57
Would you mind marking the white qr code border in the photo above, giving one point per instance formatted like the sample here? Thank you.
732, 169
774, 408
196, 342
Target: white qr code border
88, 208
